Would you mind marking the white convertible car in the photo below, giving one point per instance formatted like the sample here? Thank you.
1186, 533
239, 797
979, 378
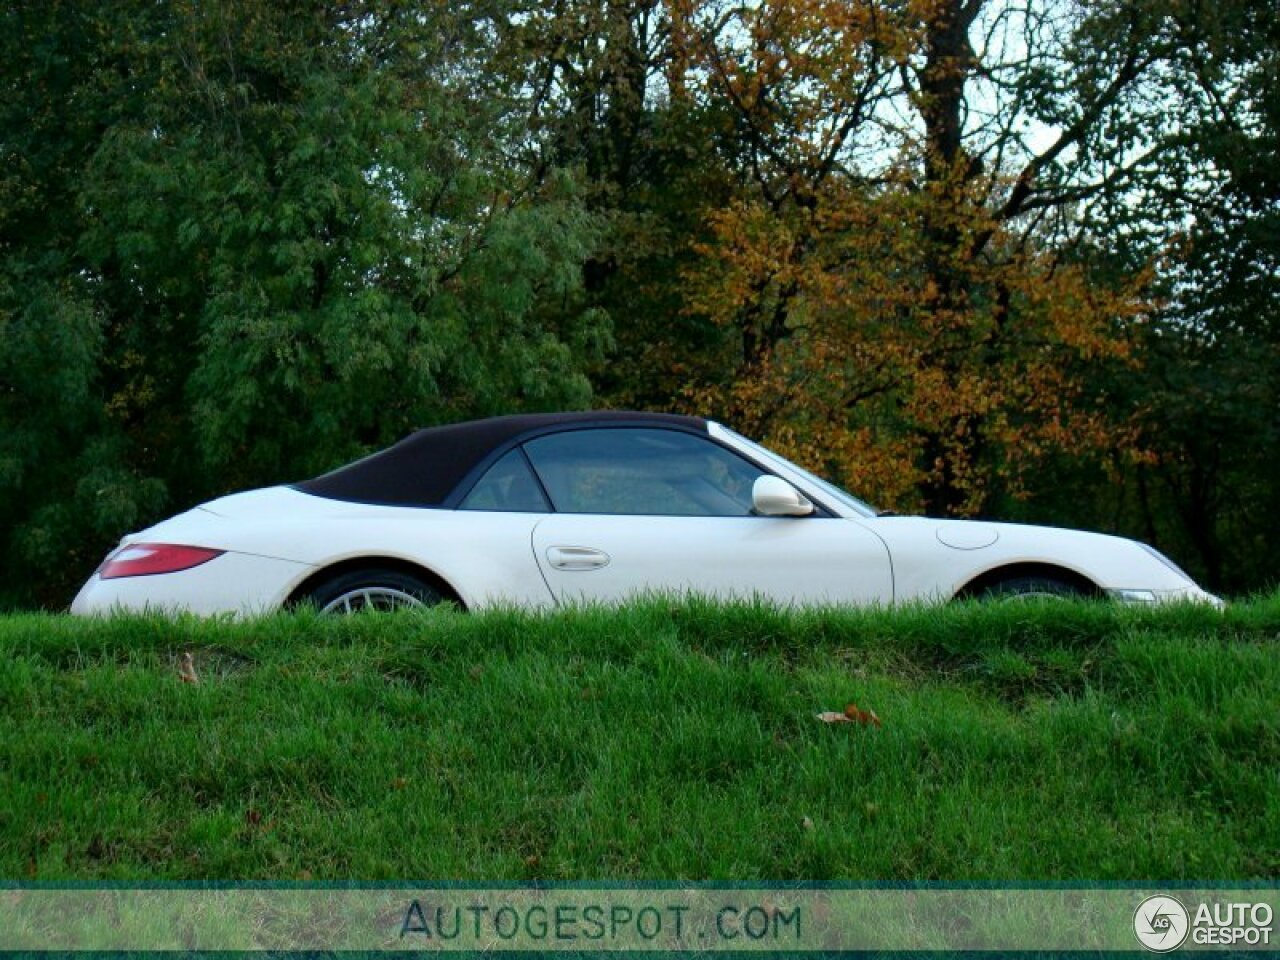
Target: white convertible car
539, 510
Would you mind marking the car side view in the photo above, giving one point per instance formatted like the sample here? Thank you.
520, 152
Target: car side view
540, 510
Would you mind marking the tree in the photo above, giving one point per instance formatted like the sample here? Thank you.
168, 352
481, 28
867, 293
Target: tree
611, 98
1210, 387
276, 236
907, 279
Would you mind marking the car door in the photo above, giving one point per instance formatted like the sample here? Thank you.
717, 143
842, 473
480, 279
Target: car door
649, 509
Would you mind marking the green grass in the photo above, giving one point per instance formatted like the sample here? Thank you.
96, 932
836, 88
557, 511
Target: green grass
670, 740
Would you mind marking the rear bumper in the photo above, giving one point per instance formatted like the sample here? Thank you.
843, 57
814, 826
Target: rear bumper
238, 583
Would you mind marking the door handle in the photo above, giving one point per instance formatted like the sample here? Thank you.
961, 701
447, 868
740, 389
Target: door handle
577, 558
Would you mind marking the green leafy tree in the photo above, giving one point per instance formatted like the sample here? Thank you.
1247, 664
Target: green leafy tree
267, 237
1199, 480
1211, 391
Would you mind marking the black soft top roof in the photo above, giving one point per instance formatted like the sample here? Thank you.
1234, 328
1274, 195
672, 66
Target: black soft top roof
424, 468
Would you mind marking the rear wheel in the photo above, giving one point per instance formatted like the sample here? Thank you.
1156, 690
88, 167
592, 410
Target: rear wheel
1031, 588
373, 589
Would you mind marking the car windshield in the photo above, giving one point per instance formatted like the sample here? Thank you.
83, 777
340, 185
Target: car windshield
830, 489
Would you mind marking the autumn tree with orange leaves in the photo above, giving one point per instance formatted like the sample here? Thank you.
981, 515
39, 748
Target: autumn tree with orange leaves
903, 283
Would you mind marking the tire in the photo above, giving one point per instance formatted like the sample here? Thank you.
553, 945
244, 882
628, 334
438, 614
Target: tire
375, 588
1032, 588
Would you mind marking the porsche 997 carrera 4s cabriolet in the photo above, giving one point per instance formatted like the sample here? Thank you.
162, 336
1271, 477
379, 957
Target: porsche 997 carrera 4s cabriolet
539, 510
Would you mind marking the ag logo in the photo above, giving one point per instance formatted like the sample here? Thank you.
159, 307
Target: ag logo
1161, 923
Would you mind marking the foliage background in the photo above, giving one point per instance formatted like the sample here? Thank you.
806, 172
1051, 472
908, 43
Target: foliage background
970, 257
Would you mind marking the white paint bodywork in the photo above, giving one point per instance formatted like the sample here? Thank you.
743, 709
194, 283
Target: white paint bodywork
787, 559
276, 538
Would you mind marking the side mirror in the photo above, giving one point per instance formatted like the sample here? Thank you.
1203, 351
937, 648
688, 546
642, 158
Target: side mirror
774, 497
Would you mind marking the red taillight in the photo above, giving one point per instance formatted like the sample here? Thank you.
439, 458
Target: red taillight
142, 559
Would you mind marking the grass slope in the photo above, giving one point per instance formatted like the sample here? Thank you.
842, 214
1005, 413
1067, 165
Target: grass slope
669, 740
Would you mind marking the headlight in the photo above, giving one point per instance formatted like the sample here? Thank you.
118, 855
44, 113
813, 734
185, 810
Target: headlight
1134, 596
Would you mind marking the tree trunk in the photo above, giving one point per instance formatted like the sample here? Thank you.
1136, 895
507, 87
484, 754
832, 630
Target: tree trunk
941, 97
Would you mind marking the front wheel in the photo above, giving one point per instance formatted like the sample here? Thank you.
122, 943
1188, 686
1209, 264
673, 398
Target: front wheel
373, 589
1031, 588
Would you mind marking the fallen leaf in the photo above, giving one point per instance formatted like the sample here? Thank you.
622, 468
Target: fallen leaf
855, 714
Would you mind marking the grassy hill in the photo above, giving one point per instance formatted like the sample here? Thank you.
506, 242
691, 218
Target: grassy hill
669, 740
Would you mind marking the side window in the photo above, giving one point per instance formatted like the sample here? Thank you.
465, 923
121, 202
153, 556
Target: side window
642, 471
507, 485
